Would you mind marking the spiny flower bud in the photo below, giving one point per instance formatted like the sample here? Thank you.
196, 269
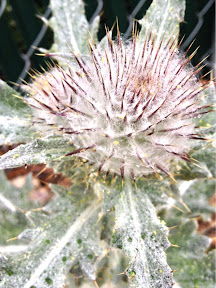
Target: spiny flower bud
128, 109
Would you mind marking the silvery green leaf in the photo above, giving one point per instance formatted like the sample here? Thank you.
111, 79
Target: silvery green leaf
13, 201
197, 196
94, 27
205, 156
41, 150
188, 256
163, 17
117, 264
111, 268
71, 28
15, 117
207, 123
143, 237
66, 167
68, 235
190, 171
204, 151
193, 266
157, 191
209, 94
15, 194
104, 41
12, 103
192, 201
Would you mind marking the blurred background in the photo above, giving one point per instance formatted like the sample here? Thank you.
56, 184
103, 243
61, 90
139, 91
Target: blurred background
22, 30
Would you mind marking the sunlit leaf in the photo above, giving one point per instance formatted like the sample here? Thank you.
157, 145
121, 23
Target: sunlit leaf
41, 150
15, 117
67, 235
163, 19
143, 237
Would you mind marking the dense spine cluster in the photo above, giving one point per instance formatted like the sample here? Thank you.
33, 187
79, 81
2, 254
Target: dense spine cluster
128, 109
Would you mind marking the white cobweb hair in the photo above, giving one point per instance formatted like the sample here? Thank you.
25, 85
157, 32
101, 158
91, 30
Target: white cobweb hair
128, 109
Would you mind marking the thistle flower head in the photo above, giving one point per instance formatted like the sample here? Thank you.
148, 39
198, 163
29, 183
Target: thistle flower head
128, 109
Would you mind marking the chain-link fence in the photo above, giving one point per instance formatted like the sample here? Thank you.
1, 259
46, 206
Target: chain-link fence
22, 31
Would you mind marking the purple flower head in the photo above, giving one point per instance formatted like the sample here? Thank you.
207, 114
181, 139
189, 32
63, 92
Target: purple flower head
128, 109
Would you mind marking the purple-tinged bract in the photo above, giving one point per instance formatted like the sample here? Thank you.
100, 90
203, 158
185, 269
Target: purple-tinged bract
128, 109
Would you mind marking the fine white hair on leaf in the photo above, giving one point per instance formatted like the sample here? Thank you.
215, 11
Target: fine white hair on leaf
128, 109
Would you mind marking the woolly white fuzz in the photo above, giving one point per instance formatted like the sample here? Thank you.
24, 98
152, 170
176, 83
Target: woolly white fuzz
128, 109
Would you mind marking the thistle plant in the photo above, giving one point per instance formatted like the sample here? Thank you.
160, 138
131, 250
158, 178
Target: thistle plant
127, 109
121, 119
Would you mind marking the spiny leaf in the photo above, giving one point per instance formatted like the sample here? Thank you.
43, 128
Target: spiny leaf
11, 103
163, 17
204, 165
67, 233
71, 26
141, 235
12, 199
205, 156
197, 197
15, 117
189, 171
111, 267
194, 195
194, 266
94, 27
41, 150
71, 168
207, 127
157, 191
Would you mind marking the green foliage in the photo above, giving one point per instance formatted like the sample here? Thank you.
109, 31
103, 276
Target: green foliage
194, 267
205, 164
163, 20
41, 150
197, 197
143, 237
97, 230
189, 257
64, 233
71, 26
15, 117
12, 219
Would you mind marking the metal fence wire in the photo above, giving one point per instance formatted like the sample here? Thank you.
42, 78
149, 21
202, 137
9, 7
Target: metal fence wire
21, 31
